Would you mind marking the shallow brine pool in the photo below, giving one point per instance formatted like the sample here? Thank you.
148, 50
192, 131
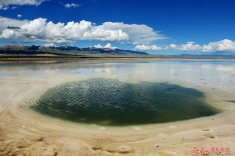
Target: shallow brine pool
111, 102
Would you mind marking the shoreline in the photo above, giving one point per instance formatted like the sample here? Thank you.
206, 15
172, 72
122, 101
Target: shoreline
101, 57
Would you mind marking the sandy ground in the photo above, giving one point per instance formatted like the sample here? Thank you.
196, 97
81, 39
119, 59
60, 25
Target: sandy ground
24, 132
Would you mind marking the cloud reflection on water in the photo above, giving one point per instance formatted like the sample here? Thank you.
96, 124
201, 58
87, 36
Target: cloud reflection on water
211, 73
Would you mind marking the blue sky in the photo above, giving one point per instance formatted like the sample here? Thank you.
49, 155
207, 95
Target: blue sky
154, 26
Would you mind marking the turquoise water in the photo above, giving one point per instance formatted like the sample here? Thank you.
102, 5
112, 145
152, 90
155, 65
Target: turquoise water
111, 102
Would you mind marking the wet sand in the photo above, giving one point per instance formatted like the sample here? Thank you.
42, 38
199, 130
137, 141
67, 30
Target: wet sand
24, 132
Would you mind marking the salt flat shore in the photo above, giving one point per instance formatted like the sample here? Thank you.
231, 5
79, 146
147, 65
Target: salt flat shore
25, 132
49, 57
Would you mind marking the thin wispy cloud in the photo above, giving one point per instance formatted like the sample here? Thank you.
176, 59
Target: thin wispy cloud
4, 4
3, 7
147, 47
72, 5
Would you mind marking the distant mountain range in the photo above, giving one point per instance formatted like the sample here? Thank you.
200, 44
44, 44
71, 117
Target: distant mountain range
64, 50
67, 51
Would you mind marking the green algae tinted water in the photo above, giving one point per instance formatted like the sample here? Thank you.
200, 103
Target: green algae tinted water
113, 103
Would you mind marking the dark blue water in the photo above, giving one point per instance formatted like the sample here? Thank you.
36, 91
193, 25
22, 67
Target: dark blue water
113, 103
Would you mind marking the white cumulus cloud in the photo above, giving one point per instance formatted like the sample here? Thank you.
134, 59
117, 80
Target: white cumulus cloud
135, 43
189, 46
67, 5
225, 45
19, 15
108, 46
173, 46
4, 4
41, 30
147, 47
142, 34
49, 45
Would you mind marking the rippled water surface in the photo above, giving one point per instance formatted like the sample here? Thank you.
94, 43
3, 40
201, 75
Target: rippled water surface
111, 102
